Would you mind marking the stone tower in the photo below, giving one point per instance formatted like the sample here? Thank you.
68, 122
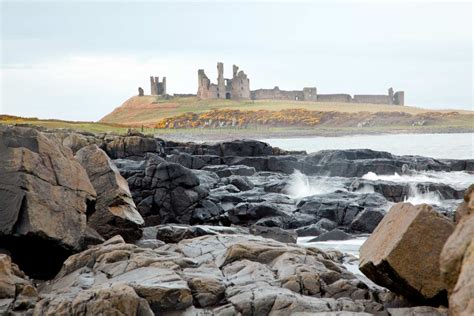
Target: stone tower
157, 87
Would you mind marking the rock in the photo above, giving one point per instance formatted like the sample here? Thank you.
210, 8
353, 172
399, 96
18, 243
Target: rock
241, 182
176, 233
418, 311
405, 233
321, 227
187, 160
275, 233
457, 260
140, 92
115, 212
46, 195
335, 234
166, 192
467, 206
358, 162
227, 171
118, 299
132, 147
367, 220
16, 291
250, 213
212, 274
340, 207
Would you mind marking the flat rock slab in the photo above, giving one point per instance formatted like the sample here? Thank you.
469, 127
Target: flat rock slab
403, 252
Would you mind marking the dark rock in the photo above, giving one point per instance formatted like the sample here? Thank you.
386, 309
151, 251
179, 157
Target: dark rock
335, 234
322, 226
367, 220
187, 160
241, 182
275, 233
227, 171
176, 233
132, 147
166, 192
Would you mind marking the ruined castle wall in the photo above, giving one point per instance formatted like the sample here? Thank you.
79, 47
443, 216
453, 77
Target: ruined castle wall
340, 97
276, 94
371, 98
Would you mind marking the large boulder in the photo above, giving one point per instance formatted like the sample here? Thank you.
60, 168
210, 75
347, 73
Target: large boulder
45, 196
457, 260
165, 192
403, 252
132, 146
115, 212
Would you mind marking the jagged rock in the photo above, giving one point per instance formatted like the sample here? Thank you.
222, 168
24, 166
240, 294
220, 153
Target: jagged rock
118, 299
405, 233
335, 234
457, 260
241, 182
340, 207
275, 233
418, 311
357, 162
367, 220
17, 293
250, 213
227, 171
187, 160
45, 196
166, 192
321, 227
176, 233
115, 212
132, 147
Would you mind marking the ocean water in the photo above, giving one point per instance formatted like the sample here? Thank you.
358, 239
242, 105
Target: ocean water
449, 146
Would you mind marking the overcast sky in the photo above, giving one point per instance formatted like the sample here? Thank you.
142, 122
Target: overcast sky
78, 60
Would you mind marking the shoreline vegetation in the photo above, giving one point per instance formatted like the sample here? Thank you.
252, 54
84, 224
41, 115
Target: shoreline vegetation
192, 119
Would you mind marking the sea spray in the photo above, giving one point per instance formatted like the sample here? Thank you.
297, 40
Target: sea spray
455, 179
416, 196
300, 185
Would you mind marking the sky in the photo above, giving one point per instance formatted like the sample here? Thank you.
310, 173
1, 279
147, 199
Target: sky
78, 60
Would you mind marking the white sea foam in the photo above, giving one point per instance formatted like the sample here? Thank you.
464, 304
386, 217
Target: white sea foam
456, 179
300, 185
417, 197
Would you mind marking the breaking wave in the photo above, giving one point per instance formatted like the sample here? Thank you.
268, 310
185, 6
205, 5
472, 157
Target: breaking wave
456, 179
300, 185
417, 197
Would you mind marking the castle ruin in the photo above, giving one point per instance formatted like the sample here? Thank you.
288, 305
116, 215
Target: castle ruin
157, 87
238, 88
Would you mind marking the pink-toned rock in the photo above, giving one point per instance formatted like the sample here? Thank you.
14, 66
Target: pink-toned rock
457, 260
403, 252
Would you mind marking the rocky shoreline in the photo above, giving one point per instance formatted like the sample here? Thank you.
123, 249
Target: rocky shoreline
135, 225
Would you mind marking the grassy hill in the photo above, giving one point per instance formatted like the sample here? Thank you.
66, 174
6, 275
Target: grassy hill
149, 110
191, 119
